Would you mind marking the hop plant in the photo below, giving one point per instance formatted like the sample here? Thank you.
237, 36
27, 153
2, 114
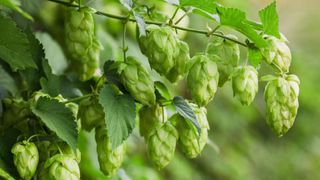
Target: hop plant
109, 159
162, 144
203, 79
160, 46
91, 113
178, 71
137, 81
245, 84
226, 54
151, 117
81, 41
281, 97
191, 141
25, 158
277, 53
60, 167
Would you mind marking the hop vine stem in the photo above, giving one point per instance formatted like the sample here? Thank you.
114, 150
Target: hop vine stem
124, 18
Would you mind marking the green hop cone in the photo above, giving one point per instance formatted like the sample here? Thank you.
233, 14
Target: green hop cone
160, 46
162, 144
65, 149
226, 54
281, 97
81, 41
151, 117
137, 81
25, 158
190, 140
178, 71
245, 84
203, 79
277, 53
90, 113
109, 159
60, 167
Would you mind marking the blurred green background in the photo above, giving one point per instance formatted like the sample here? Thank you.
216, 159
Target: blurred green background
242, 145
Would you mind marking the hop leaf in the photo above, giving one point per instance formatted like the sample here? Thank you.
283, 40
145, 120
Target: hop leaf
281, 97
25, 158
137, 81
91, 113
226, 54
203, 79
277, 53
245, 84
81, 42
109, 159
190, 140
162, 144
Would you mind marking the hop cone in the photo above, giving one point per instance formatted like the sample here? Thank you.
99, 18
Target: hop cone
109, 159
178, 71
277, 53
162, 144
161, 47
245, 84
60, 167
81, 41
91, 113
137, 81
25, 158
281, 97
65, 149
190, 140
151, 117
226, 54
203, 79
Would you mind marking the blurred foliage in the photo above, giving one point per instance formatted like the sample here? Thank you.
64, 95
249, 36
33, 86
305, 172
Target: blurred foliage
248, 148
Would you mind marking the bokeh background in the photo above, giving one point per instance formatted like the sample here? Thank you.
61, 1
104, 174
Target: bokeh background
241, 144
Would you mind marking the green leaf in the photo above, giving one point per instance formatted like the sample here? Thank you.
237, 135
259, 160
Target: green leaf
237, 20
14, 5
141, 24
14, 46
7, 82
110, 71
254, 56
162, 90
206, 8
185, 111
57, 117
52, 83
270, 20
120, 113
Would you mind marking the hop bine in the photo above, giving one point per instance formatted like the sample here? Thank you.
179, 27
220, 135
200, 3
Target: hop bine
25, 158
203, 79
277, 53
281, 97
137, 81
81, 42
191, 141
109, 159
245, 84
226, 54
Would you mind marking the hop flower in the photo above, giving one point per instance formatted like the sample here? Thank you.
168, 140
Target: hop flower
91, 113
281, 97
226, 54
65, 149
203, 79
190, 140
109, 159
162, 144
178, 71
160, 46
60, 167
277, 53
137, 81
81, 41
151, 117
245, 84
25, 158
